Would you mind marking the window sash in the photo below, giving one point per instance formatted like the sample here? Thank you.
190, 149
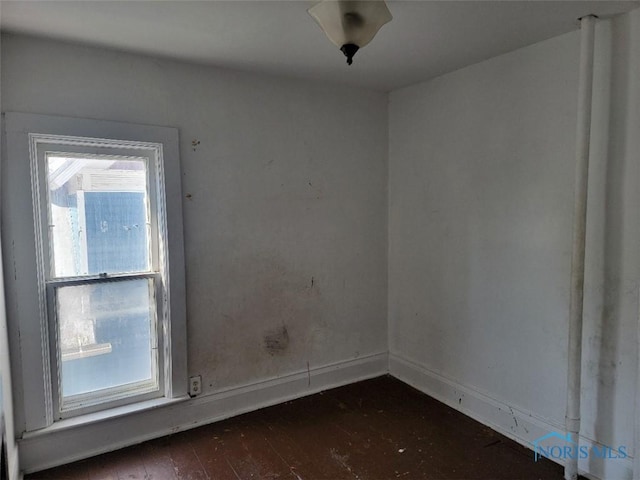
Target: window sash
89, 402
156, 209
151, 223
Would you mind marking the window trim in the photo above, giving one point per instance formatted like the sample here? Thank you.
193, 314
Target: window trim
30, 354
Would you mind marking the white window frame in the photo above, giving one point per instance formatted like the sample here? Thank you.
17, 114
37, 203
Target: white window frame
30, 287
41, 147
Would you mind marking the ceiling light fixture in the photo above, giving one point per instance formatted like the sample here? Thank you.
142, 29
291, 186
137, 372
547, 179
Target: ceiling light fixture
350, 24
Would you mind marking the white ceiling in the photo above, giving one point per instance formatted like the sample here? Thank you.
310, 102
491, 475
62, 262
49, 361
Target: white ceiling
425, 39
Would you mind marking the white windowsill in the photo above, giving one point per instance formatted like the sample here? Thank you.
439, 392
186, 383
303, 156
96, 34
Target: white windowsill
90, 418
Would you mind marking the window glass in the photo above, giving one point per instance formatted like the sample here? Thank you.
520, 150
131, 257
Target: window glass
106, 335
98, 215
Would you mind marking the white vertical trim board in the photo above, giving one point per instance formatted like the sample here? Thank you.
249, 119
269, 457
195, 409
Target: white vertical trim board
56, 446
513, 422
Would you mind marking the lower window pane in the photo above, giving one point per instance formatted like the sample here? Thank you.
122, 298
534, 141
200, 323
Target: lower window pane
106, 337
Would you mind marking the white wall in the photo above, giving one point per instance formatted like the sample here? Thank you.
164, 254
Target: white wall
284, 208
480, 216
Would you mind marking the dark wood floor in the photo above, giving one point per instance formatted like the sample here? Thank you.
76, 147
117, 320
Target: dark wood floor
373, 430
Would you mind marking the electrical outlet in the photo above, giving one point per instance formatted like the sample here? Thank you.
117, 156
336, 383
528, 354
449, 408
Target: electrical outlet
195, 386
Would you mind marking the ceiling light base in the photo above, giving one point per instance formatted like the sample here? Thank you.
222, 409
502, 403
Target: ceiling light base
349, 50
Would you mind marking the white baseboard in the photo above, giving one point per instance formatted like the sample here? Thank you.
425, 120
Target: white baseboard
42, 451
513, 422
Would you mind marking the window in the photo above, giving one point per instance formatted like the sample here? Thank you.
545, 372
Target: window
101, 227
110, 310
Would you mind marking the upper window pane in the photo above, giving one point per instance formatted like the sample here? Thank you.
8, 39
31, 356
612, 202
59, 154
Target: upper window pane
98, 215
